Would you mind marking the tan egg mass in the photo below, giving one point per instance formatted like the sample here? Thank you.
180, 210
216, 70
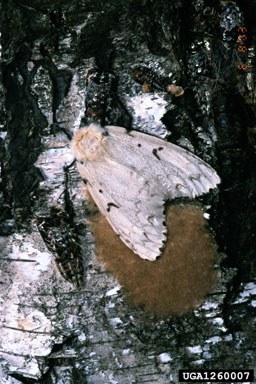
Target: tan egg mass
180, 279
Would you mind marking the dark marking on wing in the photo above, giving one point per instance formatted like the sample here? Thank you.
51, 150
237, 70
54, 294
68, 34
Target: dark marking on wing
111, 205
179, 186
139, 145
155, 153
195, 177
100, 191
160, 148
162, 248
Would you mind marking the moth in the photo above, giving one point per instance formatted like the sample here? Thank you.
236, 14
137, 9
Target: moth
63, 242
130, 175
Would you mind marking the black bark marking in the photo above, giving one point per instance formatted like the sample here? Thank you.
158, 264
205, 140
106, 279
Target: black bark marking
100, 191
111, 205
139, 145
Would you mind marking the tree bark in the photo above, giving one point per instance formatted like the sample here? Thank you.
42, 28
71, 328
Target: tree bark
64, 317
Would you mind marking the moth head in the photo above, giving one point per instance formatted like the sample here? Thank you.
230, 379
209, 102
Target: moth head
88, 142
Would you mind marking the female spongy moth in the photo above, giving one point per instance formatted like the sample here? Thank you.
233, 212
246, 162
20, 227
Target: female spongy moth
130, 175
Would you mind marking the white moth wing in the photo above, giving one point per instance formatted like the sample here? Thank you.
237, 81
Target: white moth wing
131, 174
133, 206
179, 172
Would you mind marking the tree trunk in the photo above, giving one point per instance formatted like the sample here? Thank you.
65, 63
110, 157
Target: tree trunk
66, 315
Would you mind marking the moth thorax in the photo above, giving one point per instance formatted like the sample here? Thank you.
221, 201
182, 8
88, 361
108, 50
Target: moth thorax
92, 148
89, 142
